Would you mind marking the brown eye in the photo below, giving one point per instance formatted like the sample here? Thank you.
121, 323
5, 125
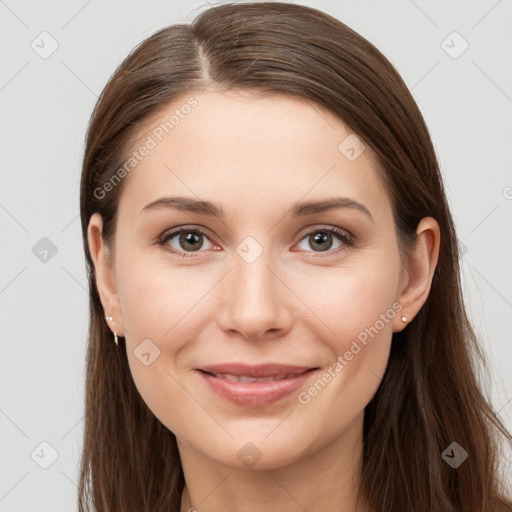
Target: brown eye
190, 241
322, 240
187, 240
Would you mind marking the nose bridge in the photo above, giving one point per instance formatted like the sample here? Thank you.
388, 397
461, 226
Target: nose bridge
255, 301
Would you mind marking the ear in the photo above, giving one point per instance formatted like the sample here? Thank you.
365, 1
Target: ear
105, 274
417, 278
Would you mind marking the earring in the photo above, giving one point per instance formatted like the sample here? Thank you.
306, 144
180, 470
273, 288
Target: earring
404, 319
109, 319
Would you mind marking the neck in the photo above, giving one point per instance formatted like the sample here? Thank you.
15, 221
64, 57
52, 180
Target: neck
325, 479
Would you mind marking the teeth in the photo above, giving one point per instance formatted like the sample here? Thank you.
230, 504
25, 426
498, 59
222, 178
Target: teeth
244, 378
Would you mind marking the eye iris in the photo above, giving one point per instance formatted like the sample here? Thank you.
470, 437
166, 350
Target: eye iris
320, 237
190, 238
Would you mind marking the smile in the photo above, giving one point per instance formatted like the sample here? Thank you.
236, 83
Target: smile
255, 386
245, 378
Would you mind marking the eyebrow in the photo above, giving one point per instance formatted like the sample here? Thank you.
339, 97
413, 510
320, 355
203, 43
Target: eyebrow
299, 209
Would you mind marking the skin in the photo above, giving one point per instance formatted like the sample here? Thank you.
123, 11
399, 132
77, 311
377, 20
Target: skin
295, 304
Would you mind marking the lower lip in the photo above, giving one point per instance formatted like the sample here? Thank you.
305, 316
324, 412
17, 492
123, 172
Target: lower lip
255, 394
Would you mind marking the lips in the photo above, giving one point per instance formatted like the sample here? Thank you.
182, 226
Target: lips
252, 385
245, 378
257, 371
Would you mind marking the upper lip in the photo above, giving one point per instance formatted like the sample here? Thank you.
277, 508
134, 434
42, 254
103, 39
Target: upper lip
261, 370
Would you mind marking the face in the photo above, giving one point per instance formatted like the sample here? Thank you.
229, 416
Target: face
268, 283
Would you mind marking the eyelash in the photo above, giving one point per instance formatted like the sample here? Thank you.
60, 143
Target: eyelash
347, 238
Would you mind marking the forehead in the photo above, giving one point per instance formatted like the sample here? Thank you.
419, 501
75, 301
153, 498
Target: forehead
248, 152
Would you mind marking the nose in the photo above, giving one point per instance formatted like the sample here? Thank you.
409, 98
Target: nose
256, 303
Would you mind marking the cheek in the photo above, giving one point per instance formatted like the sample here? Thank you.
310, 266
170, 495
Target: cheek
351, 301
162, 314
357, 308
157, 299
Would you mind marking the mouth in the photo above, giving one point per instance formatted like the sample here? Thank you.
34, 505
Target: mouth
259, 385
245, 378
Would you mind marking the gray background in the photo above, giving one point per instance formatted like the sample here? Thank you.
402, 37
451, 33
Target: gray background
45, 106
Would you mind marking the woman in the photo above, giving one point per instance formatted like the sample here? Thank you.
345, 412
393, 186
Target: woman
234, 363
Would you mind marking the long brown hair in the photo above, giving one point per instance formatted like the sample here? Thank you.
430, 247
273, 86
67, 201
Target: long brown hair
430, 395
